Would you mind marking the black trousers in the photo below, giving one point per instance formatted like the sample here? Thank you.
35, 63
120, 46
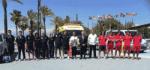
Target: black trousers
51, 51
83, 51
92, 48
44, 52
74, 52
38, 52
21, 49
11, 49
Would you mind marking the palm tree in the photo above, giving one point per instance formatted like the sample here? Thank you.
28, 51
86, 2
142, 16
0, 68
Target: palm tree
32, 16
23, 24
16, 18
4, 3
58, 21
67, 20
39, 18
45, 12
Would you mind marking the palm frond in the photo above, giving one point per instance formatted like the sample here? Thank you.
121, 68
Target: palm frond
18, 1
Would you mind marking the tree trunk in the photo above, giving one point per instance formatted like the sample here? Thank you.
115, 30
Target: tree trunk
4, 2
56, 28
31, 26
44, 24
40, 32
16, 30
39, 22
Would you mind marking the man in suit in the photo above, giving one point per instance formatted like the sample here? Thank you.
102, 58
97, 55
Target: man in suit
10, 42
44, 45
83, 44
37, 45
57, 44
21, 45
30, 47
65, 43
51, 45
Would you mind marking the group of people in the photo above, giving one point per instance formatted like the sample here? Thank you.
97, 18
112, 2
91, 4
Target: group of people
120, 43
45, 47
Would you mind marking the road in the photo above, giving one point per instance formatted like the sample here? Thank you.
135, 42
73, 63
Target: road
146, 54
77, 64
84, 64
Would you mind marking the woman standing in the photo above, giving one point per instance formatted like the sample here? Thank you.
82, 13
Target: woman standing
136, 45
73, 44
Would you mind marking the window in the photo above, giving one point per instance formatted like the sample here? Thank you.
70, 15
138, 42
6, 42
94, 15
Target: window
69, 32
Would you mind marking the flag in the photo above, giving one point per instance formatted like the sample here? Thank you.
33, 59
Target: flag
131, 14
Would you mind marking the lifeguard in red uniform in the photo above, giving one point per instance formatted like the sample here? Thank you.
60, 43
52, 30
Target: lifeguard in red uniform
137, 45
127, 46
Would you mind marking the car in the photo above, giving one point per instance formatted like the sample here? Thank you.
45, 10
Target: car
148, 43
3, 47
133, 32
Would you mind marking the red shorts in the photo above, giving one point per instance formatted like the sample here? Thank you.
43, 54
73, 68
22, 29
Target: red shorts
136, 48
118, 47
110, 47
127, 48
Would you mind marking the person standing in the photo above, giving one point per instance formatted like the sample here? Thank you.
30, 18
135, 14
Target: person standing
20, 40
127, 46
57, 44
51, 46
37, 45
118, 39
102, 44
44, 45
10, 42
92, 41
73, 44
110, 44
83, 45
30, 47
136, 45
65, 44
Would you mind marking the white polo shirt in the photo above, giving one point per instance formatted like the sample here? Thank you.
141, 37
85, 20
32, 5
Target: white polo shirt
92, 39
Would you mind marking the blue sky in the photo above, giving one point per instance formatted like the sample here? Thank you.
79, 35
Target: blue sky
84, 9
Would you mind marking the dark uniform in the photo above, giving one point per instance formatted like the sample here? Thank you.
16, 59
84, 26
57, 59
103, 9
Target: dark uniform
57, 40
65, 43
21, 46
37, 43
57, 43
51, 47
83, 45
10, 43
44, 45
30, 40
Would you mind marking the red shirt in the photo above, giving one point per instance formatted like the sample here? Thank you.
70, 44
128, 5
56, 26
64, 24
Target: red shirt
137, 40
118, 40
127, 40
110, 39
102, 40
